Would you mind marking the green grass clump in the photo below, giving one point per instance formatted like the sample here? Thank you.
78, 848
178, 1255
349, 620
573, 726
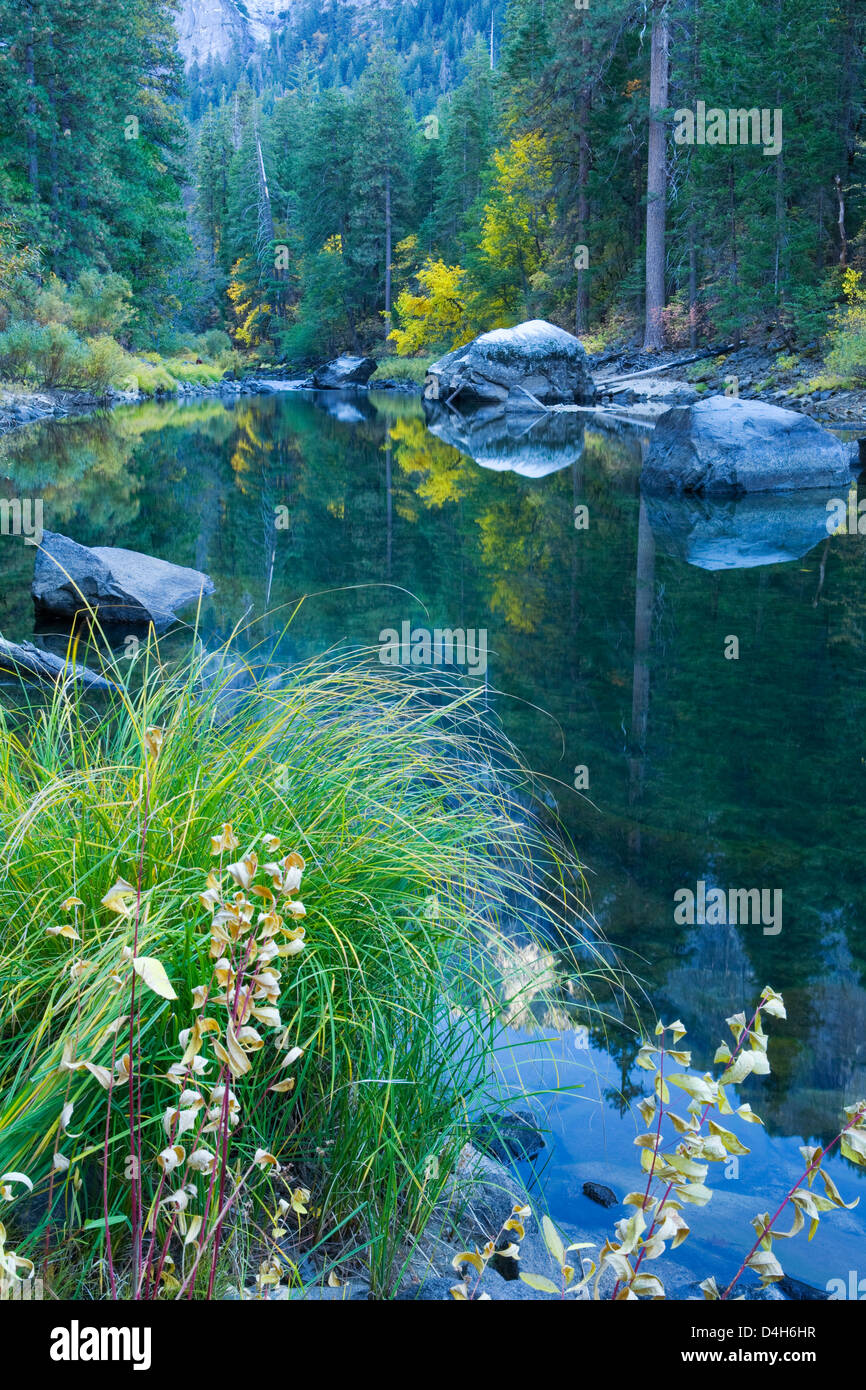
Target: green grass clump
401, 369
417, 850
197, 373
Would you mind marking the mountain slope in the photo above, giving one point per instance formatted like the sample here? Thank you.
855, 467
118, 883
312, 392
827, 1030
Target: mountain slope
218, 28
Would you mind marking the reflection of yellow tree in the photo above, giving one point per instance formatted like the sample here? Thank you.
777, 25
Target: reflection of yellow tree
81, 466
446, 474
514, 553
249, 447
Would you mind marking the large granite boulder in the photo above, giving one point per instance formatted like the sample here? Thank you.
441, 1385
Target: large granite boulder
344, 371
122, 586
725, 447
510, 365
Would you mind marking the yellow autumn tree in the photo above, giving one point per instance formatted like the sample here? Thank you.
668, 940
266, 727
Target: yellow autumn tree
517, 219
434, 317
251, 317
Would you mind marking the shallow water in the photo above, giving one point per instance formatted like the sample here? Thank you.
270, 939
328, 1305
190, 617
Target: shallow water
610, 645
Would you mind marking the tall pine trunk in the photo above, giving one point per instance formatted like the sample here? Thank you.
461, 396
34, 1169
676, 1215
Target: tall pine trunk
387, 253
693, 231
657, 183
30, 73
581, 307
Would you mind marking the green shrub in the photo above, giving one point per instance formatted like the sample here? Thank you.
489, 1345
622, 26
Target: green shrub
401, 369
62, 358
214, 343
20, 346
48, 353
847, 355
195, 373
100, 304
699, 371
148, 376
105, 365
416, 847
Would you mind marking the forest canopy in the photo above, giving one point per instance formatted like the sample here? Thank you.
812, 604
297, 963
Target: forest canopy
399, 179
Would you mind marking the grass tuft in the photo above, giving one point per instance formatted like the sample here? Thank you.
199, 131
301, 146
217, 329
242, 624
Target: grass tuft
427, 867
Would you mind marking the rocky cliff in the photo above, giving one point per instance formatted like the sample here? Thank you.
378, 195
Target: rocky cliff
216, 28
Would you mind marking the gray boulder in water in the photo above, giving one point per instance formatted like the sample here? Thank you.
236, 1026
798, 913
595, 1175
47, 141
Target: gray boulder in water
510, 365
122, 586
27, 660
726, 447
344, 371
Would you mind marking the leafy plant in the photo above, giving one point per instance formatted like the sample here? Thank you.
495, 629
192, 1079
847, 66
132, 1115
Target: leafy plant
847, 355
676, 1178
413, 847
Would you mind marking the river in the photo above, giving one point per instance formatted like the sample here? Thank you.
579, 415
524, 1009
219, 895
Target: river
679, 759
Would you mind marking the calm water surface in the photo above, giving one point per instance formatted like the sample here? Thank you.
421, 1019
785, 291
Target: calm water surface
609, 645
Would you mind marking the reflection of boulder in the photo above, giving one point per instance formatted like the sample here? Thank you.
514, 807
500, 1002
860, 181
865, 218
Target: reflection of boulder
503, 441
349, 407
738, 533
346, 412
727, 447
121, 586
535, 357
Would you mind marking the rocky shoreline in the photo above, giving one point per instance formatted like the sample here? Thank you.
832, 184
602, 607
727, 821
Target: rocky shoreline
476, 1203
25, 407
631, 383
645, 384
20, 407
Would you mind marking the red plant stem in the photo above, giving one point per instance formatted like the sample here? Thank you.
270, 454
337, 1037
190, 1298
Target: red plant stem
225, 1126
220, 1218
658, 1126
656, 1148
108, 1251
813, 1167
135, 1115
154, 1283
145, 1274
47, 1248
707, 1108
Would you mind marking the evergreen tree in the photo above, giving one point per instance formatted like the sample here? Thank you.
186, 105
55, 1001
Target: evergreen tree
381, 181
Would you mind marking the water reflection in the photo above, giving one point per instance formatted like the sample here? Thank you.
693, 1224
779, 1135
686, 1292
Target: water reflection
761, 529
610, 644
532, 445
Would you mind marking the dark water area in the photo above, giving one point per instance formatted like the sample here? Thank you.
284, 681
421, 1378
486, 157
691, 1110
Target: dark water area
672, 762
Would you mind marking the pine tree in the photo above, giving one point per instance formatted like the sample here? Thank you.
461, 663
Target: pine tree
381, 181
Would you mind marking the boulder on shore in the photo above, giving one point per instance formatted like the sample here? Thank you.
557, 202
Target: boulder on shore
511, 365
121, 586
726, 447
344, 371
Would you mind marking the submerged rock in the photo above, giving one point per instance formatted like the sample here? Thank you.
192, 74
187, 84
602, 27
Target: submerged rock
344, 371
597, 1192
726, 447
25, 659
501, 441
510, 365
121, 586
506, 1137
